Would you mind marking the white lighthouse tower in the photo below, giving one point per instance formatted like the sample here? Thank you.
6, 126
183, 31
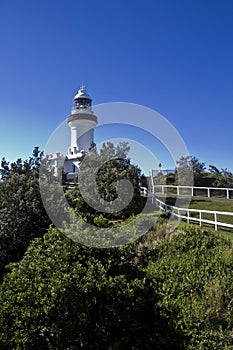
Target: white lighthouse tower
82, 122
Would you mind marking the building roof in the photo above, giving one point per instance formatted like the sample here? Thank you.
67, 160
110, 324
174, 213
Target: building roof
82, 93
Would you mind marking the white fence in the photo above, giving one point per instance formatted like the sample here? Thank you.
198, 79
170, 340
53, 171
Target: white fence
208, 190
186, 213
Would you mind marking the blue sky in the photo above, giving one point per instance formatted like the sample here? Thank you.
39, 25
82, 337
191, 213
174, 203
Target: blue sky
173, 56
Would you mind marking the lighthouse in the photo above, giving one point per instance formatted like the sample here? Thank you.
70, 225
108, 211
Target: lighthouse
82, 122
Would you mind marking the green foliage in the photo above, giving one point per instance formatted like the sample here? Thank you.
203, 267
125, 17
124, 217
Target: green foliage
22, 215
167, 290
101, 221
184, 172
115, 166
223, 177
174, 294
216, 177
160, 179
197, 166
29, 166
193, 277
189, 169
64, 296
170, 179
5, 169
198, 169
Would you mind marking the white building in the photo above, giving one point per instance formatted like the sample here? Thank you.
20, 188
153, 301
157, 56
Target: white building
82, 123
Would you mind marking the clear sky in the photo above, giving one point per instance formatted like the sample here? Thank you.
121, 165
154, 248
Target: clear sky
173, 56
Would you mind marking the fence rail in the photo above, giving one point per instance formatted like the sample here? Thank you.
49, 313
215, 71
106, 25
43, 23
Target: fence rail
191, 189
186, 213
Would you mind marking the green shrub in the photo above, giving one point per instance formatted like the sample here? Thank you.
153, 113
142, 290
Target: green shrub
193, 276
65, 296
172, 294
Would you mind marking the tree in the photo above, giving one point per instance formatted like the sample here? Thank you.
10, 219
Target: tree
160, 179
29, 166
197, 166
22, 214
5, 169
223, 177
99, 181
184, 173
189, 169
120, 151
198, 169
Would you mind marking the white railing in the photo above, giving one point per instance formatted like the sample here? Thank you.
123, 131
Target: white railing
185, 213
209, 190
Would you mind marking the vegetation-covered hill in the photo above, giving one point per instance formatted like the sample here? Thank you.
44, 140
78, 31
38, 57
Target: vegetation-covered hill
169, 292
163, 291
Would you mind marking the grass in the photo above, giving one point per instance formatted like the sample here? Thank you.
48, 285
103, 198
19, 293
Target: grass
227, 233
214, 192
214, 205
206, 204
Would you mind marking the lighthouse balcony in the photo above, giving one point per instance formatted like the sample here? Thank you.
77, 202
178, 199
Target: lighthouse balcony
81, 109
82, 115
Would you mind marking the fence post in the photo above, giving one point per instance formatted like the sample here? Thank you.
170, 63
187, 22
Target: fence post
200, 218
178, 214
192, 191
178, 191
152, 199
228, 193
172, 214
160, 205
188, 217
208, 192
216, 221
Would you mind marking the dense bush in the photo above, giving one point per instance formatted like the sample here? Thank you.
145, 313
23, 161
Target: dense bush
100, 182
22, 216
63, 296
193, 275
175, 293
164, 291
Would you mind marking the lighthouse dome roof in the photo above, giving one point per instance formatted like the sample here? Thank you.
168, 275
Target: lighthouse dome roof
82, 93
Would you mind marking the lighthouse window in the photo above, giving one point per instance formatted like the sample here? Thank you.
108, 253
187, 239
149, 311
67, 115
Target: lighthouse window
82, 102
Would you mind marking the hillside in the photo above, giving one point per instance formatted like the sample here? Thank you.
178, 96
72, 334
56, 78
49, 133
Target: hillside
166, 291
